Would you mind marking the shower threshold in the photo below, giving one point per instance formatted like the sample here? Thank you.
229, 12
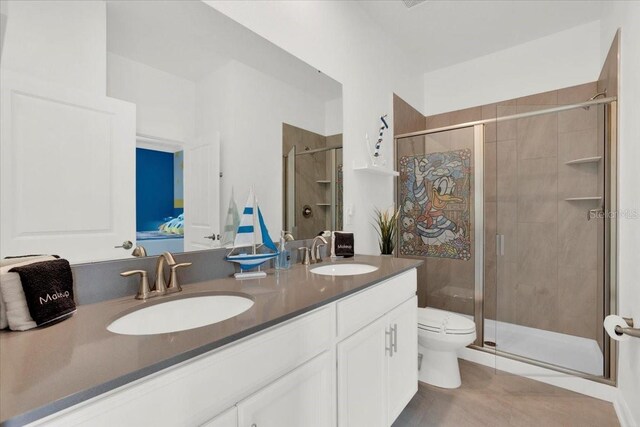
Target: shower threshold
562, 350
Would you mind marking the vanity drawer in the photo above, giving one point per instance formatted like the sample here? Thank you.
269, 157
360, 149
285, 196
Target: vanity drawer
197, 390
357, 311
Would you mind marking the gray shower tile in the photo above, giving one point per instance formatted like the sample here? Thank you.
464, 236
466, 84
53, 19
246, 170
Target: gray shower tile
537, 254
508, 129
537, 136
577, 119
537, 190
545, 98
577, 144
577, 237
490, 172
576, 94
507, 171
577, 299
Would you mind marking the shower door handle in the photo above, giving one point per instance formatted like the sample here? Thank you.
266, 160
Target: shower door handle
500, 244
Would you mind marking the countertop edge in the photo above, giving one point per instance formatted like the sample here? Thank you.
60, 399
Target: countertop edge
84, 395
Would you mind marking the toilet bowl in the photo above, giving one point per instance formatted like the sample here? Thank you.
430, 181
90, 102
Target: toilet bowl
440, 334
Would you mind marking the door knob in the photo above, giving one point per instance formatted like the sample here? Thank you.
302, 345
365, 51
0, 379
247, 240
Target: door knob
125, 245
212, 237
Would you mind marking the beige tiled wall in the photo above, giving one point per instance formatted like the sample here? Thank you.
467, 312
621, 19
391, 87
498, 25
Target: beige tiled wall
309, 170
548, 277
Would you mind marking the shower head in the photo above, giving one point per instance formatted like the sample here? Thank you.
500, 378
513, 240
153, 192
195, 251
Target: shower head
597, 95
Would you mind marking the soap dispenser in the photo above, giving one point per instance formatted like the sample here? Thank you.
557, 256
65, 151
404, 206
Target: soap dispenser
283, 261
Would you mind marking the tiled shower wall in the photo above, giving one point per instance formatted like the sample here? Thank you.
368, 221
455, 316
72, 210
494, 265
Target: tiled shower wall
310, 169
550, 276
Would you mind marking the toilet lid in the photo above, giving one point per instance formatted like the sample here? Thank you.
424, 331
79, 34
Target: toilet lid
447, 322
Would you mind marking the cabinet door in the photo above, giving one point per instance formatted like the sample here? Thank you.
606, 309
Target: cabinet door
403, 363
362, 377
228, 418
303, 397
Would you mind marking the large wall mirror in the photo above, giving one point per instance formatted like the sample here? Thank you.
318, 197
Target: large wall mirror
197, 111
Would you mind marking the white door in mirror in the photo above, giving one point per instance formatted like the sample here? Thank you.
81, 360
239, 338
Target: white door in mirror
170, 316
201, 193
68, 171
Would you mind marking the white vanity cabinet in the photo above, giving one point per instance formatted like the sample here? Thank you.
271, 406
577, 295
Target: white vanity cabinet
304, 397
352, 362
377, 369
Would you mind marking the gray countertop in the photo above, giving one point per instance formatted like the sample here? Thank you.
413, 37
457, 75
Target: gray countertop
45, 370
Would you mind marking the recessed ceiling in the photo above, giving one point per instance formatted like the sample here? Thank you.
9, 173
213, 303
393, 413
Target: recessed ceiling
190, 39
442, 33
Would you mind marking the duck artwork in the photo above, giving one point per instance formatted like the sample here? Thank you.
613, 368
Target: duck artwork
435, 211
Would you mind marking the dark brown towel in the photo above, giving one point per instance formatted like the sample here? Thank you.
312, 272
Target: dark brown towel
344, 244
48, 289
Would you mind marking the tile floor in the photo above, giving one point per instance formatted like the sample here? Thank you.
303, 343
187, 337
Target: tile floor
494, 398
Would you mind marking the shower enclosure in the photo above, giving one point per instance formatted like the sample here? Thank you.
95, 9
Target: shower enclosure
312, 191
511, 216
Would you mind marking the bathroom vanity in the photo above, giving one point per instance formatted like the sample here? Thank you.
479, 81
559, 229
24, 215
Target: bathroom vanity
313, 350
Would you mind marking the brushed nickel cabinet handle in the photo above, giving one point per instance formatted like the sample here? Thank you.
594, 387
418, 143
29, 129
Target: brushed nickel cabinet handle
394, 338
389, 338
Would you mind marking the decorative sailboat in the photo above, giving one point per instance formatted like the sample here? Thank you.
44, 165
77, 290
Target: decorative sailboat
252, 233
231, 223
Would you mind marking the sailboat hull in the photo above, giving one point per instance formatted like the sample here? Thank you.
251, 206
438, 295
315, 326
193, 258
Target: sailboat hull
249, 261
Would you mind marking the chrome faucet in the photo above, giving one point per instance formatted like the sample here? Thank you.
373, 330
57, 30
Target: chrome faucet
316, 255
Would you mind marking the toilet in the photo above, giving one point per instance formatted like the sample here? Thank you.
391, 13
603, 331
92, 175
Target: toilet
440, 334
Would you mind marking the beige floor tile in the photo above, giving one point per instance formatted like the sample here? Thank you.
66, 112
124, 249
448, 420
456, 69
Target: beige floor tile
493, 398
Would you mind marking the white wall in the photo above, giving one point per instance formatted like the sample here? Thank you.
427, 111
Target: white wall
333, 117
343, 42
165, 103
61, 42
563, 59
627, 16
248, 108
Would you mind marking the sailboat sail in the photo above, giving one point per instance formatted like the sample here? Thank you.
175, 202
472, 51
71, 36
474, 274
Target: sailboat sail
231, 223
247, 235
266, 239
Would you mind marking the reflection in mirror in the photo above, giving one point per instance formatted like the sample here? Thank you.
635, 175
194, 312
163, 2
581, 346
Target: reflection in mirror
195, 113
313, 181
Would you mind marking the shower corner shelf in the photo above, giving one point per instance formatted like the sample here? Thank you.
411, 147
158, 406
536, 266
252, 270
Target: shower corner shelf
377, 170
323, 204
578, 199
323, 181
594, 159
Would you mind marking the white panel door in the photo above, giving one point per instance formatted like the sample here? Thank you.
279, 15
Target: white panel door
403, 363
303, 397
68, 171
202, 194
362, 377
228, 418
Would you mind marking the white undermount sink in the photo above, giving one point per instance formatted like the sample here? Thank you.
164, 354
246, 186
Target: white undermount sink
343, 269
180, 314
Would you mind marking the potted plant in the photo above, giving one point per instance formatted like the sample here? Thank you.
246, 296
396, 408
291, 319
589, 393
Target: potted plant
386, 225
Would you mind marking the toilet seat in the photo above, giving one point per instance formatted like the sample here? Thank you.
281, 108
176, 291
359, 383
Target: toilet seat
444, 322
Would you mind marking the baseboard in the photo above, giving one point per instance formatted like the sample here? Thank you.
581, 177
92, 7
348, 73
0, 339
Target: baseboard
548, 376
623, 412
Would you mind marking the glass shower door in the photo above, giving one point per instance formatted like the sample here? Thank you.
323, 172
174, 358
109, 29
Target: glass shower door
550, 178
439, 196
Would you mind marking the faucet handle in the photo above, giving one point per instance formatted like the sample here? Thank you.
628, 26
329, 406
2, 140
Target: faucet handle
305, 255
174, 286
143, 291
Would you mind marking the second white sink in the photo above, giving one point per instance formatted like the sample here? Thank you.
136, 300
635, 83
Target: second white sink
343, 269
180, 314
